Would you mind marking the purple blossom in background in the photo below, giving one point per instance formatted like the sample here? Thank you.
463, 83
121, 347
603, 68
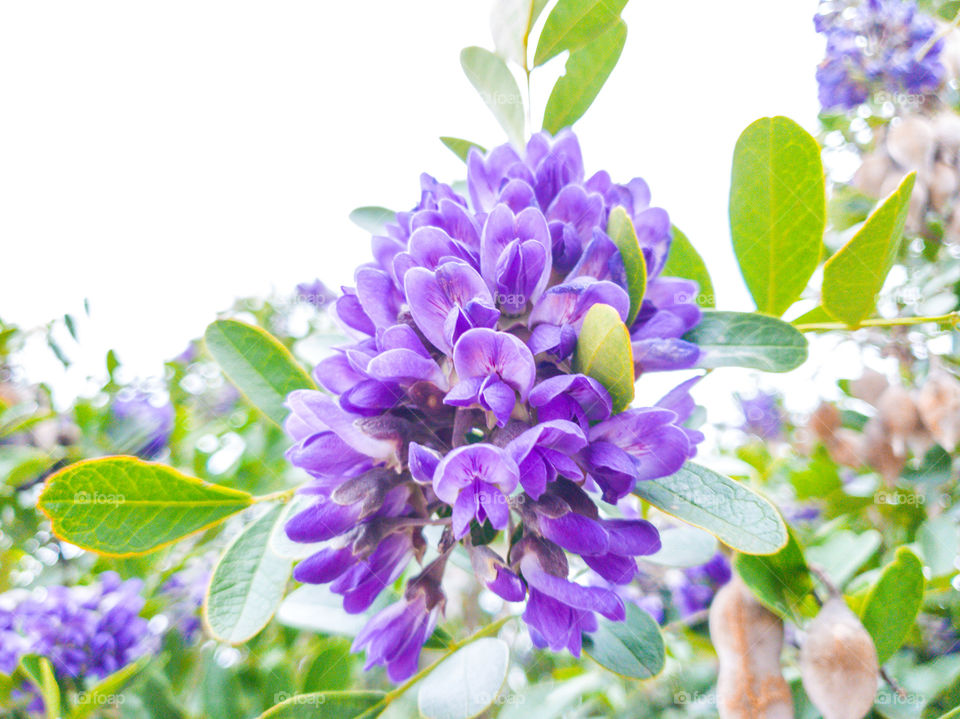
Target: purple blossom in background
140, 424
761, 415
699, 584
185, 590
85, 631
315, 293
455, 404
874, 46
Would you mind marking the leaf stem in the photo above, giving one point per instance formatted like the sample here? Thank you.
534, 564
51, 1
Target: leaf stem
951, 318
486, 631
284, 495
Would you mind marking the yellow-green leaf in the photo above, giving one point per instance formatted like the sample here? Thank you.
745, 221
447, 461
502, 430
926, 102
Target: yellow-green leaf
892, 604
684, 261
621, 231
604, 353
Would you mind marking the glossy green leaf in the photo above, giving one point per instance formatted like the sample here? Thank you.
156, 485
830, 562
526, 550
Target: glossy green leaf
248, 583
257, 364
604, 352
461, 148
777, 210
373, 219
744, 339
498, 88
586, 71
510, 25
854, 276
122, 506
683, 547
575, 23
467, 682
733, 513
39, 672
781, 581
892, 604
684, 261
325, 705
621, 231
632, 648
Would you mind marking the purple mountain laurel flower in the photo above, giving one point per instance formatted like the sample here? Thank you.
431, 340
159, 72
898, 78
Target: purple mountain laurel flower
454, 404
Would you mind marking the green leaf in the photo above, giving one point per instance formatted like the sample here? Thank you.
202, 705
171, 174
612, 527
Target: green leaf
632, 648
575, 23
510, 24
777, 210
122, 506
735, 514
781, 581
939, 539
892, 604
39, 672
843, 553
621, 231
684, 261
467, 682
324, 705
854, 276
257, 364
683, 547
373, 219
331, 667
952, 714
247, 584
498, 88
104, 693
744, 339
584, 74
604, 352
461, 148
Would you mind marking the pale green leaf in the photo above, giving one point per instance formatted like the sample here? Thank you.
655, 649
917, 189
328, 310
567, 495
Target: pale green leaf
744, 339
373, 219
684, 261
510, 24
464, 684
492, 79
632, 648
604, 352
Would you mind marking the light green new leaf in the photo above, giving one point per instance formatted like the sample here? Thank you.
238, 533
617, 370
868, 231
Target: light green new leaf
257, 364
123, 506
39, 672
467, 682
492, 79
777, 210
325, 705
735, 514
574, 23
461, 148
104, 692
939, 539
621, 231
373, 219
510, 24
247, 584
854, 276
604, 352
781, 581
586, 70
892, 604
632, 648
684, 261
746, 339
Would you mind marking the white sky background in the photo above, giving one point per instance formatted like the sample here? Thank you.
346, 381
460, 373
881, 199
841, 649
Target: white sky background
161, 159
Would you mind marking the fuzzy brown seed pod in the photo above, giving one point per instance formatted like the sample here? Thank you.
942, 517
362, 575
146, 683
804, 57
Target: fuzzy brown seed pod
824, 422
848, 448
911, 142
943, 186
838, 663
898, 412
748, 639
869, 386
879, 452
946, 130
872, 173
938, 404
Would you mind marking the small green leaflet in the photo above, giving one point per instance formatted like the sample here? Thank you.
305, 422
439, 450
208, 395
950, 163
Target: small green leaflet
777, 210
624, 236
510, 24
492, 79
854, 276
373, 219
461, 148
575, 23
632, 648
586, 71
684, 261
257, 364
247, 584
123, 506
745, 339
729, 510
892, 604
604, 352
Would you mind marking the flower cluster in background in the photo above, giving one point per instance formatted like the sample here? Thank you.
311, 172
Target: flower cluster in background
877, 45
141, 423
456, 405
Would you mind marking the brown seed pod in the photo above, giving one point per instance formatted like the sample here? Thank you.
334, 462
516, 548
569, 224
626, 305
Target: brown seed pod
848, 448
824, 422
943, 186
938, 404
946, 131
838, 663
898, 412
879, 452
748, 639
869, 386
911, 143
871, 174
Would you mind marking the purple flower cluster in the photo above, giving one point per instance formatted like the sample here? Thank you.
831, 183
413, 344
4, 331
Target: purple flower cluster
85, 631
695, 592
139, 424
456, 405
761, 415
873, 46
